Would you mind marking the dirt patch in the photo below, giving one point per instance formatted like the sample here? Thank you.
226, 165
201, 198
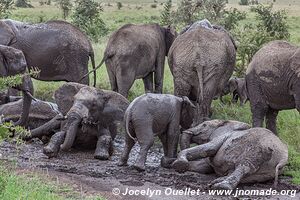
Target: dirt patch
93, 177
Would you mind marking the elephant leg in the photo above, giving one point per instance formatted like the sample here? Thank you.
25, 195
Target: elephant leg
201, 151
148, 83
46, 129
113, 129
182, 88
145, 144
125, 81
231, 181
104, 144
258, 113
201, 166
159, 74
129, 143
52, 149
271, 118
163, 139
112, 78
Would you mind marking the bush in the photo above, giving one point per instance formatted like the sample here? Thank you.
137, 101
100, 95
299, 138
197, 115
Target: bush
87, 17
119, 5
166, 14
65, 6
23, 4
275, 22
153, 6
187, 12
244, 2
231, 18
5, 8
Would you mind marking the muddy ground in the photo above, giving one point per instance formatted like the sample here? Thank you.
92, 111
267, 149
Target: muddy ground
93, 177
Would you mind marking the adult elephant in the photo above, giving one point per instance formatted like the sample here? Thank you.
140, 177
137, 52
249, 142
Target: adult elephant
60, 50
273, 82
201, 61
137, 51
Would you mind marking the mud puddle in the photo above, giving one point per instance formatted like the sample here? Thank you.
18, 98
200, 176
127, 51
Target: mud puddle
96, 177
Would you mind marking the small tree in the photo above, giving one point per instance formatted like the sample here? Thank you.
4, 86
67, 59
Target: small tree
166, 14
231, 18
244, 2
5, 8
119, 5
87, 17
65, 6
23, 4
187, 12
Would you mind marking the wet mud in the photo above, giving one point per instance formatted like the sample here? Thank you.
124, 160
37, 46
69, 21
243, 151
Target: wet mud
96, 177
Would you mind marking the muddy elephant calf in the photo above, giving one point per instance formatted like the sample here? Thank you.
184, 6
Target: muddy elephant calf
236, 152
237, 88
88, 120
153, 115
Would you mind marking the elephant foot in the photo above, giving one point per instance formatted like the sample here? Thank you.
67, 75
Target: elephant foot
51, 151
139, 167
122, 162
102, 154
181, 165
224, 185
167, 162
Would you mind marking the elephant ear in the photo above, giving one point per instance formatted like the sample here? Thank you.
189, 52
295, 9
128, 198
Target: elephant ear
187, 102
7, 36
13, 60
233, 85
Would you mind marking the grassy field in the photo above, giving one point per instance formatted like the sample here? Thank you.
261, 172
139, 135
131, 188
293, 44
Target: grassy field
140, 11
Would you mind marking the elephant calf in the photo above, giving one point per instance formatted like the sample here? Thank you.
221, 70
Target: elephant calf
156, 115
236, 87
237, 153
89, 120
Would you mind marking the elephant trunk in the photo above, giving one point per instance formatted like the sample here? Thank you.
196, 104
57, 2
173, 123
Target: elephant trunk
185, 140
73, 121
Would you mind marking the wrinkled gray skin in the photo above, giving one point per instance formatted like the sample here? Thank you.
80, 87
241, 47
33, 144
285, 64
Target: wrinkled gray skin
60, 50
153, 115
201, 61
90, 122
273, 82
135, 52
40, 112
12, 62
236, 152
236, 87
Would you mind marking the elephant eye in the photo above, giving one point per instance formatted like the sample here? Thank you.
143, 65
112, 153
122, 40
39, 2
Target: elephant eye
204, 125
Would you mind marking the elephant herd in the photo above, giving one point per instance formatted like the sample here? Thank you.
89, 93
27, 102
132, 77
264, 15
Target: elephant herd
201, 61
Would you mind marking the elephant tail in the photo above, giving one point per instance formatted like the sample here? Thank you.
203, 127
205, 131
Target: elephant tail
281, 164
92, 56
127, 117
95, 69
199, 69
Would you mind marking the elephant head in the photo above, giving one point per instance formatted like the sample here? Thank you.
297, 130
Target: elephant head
187, 113
170, 35
205, 131
230, 87
88, 106
7, 36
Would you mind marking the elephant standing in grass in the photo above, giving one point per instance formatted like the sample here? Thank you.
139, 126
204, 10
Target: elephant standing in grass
201, 61
273, 82
12, 62
135, 52
60, 50
235, 151
88, 120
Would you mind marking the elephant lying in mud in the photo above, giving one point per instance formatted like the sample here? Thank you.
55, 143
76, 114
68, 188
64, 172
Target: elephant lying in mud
236, 152
60, 50
201, 61
40, 112
153, 115
12, 62
135, 52
237, 88
273, 82
88, 120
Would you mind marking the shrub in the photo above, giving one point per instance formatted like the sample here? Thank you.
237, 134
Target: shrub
244, 2
275, 22
119, 5
5, 8
23, 4
65, 6
231, 18
187, 12
87, 17
153, 5
166, 14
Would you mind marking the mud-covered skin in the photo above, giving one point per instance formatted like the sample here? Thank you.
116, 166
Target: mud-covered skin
273, 82
201, 61
59, 49
138, 52
237, 88
153, 115
237, 153
40, 112
91, 120
13, 62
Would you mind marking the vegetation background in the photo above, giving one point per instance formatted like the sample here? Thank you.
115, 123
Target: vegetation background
115, 13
